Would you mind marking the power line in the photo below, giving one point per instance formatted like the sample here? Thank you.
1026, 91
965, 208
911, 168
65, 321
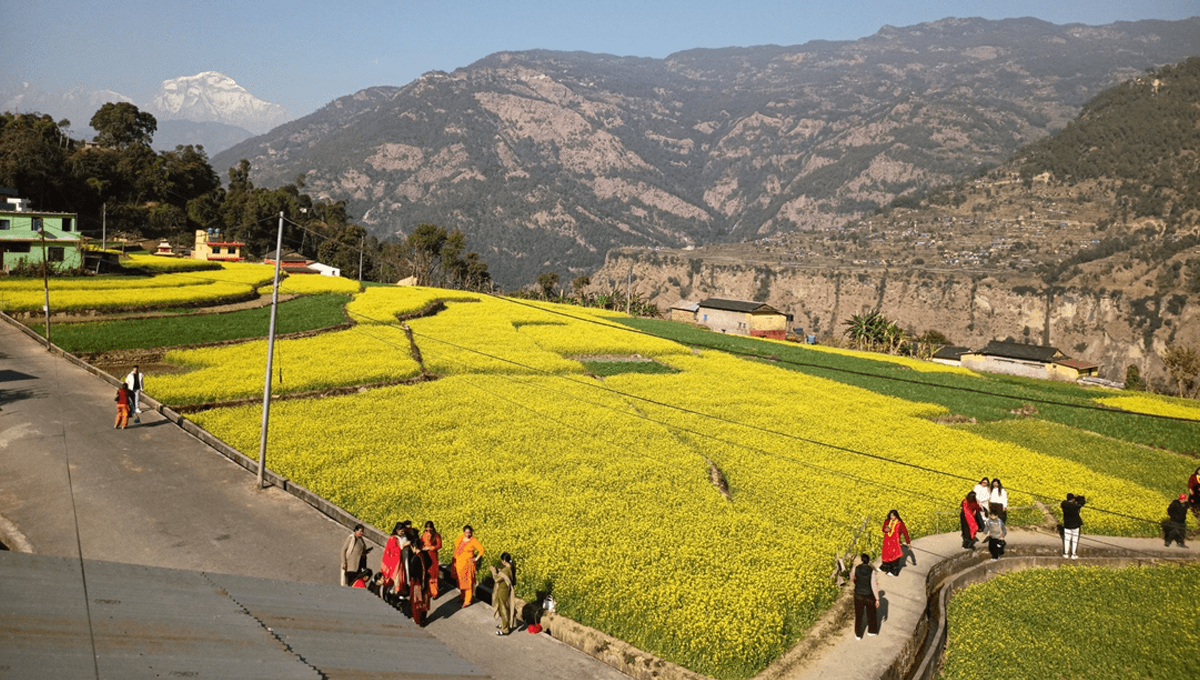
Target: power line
764, 430
835, 369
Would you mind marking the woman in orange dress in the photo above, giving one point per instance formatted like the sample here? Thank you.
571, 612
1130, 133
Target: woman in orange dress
467, 549
431, 542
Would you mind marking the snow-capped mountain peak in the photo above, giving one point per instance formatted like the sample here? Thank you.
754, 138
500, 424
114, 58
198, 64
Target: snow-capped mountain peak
213, 96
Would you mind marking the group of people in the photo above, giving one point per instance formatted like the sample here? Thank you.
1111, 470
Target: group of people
128, 399
1175, 526
409, 570
985, 509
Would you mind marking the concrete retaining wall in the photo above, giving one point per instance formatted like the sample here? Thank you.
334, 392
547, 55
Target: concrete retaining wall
945, 580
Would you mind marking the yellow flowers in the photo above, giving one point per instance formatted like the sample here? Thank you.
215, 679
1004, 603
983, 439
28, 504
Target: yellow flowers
915, 364
312, 284
1153, 404
602, 488
183, 288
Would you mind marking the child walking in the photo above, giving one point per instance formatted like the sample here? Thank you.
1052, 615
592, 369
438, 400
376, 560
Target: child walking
122, 400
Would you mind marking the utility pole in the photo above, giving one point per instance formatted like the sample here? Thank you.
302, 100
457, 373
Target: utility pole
629, 289
361, 242
103, 235
262, 442
45, 280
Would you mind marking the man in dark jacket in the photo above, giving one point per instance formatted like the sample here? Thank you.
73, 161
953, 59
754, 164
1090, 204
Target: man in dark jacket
866, 598
1071, 525
1175, 528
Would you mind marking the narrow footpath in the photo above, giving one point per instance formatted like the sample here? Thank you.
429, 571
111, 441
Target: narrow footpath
73, 486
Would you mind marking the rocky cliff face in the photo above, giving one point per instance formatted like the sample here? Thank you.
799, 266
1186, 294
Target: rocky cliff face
546, 160
1104, 327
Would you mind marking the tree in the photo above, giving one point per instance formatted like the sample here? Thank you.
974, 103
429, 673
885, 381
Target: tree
1183, 363
423, 252
547, 281
1133, 378
875, 332
33, 157
121, 125
579, 285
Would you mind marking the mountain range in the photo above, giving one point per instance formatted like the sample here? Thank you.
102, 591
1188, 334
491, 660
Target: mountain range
547, 160
1087, 240
208, 108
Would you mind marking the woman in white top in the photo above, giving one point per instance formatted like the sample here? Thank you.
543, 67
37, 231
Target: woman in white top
982, 491
998, 501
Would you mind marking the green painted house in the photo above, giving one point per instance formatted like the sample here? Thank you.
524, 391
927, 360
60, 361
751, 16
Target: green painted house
38, 236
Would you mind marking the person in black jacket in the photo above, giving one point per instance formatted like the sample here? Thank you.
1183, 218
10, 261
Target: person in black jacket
866, 598
1071, 524
1175, 528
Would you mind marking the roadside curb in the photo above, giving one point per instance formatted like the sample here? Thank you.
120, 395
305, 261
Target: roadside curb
924, 653
11, 536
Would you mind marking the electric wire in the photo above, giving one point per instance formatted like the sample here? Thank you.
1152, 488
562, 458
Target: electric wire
626, 395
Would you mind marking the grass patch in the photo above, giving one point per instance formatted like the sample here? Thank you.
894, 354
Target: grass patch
306, 313
985, 396
1077, 622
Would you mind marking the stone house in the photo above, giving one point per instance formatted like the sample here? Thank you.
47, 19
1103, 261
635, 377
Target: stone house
742, 317
1031, 361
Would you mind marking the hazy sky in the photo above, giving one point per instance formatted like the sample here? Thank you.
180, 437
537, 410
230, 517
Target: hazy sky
303, 54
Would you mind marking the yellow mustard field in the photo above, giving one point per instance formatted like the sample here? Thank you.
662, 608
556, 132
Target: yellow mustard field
181, 288
1154, 405
916, 364
312, 284
601, 487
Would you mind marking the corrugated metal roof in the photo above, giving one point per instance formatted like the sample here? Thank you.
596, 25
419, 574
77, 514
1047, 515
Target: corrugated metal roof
155, 622
738, 306
1016, 350
951, 352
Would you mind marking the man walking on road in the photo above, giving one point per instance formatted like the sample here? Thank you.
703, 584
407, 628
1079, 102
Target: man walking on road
135, 383
866, 598
354, 555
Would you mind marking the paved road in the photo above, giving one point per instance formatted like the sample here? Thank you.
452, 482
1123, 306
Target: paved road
153, 495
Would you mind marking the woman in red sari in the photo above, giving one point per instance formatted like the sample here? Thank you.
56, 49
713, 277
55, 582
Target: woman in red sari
416, 566
431, 543
467, 549
969, 521
390, 562
893, 554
